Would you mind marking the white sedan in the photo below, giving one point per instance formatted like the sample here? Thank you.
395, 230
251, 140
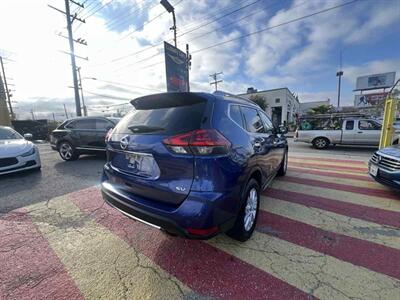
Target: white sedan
17, 153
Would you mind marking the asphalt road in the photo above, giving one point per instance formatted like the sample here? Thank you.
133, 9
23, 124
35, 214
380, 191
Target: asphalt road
58, 177
325, 230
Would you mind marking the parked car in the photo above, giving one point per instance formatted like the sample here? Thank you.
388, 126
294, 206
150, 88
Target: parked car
193, 164
82, 135
384, 166
16, 152
324, 130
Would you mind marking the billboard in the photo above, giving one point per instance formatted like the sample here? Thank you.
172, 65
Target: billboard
369, 100
176, 69
376, 81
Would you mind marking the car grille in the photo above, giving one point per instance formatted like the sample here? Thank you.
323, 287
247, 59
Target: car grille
8, 161
385, 162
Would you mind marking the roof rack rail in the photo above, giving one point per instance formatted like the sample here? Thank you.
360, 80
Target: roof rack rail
226, 94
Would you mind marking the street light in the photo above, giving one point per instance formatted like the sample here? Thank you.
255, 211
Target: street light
339, 74
170, 9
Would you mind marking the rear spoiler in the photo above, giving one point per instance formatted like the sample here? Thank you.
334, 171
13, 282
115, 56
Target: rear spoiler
166, 100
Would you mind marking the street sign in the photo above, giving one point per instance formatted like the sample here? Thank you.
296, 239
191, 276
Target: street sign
369, 100
376, 81
176, 69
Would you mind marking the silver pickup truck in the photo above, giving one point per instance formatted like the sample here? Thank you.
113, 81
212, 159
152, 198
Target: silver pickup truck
322, 132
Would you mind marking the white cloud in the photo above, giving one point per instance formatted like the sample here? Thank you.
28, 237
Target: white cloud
372, 67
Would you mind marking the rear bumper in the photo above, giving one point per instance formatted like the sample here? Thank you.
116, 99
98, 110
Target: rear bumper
196, 212
388, 178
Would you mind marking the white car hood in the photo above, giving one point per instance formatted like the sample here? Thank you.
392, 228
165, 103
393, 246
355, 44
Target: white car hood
12, 148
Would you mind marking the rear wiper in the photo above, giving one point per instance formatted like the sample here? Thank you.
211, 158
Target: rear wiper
144, 129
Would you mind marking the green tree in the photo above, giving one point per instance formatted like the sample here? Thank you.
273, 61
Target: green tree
260, 101
321, 109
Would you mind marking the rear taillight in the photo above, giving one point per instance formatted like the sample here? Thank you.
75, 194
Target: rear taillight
198, 142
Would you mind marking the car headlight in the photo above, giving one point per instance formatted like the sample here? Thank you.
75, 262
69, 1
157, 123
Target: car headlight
30, 152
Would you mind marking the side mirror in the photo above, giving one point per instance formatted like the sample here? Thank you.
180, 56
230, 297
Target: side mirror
28, 136
282, 129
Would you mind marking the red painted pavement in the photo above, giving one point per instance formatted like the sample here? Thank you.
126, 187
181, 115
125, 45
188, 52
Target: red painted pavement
387, 194
372, 256
332, 174
358, 162
205, 269
376, 215
329, 167
29, 269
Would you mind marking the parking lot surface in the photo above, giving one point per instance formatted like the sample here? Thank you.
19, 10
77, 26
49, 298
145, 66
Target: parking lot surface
325, 230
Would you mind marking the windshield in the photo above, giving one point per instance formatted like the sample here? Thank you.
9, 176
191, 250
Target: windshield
162, 117
9, 134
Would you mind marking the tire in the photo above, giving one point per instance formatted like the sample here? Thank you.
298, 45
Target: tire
320, 143
396, 142
284, 164
67, 151
247, 217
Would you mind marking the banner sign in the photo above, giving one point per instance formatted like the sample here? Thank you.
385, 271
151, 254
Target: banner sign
376, 81
176, 69
368, 100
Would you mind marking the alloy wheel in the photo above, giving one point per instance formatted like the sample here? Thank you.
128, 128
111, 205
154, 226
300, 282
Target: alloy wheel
66, 151
251, 209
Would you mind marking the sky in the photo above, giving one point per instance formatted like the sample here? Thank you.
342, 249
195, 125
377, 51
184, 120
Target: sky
269, 44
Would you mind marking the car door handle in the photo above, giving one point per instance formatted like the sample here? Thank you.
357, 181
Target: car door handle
359, 132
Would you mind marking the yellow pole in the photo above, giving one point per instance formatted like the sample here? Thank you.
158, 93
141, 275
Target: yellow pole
387, 125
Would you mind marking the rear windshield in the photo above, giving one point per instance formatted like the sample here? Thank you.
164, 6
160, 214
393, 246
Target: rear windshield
162, 120
321, 124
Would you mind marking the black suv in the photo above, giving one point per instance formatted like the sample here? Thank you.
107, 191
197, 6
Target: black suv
84, 135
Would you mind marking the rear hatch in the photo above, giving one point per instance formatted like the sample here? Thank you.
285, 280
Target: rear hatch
146, 167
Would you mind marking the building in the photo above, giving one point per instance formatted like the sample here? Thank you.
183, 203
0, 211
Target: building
306, 106
283, 106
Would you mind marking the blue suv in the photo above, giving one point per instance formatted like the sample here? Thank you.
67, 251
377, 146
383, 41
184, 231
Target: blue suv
193, 164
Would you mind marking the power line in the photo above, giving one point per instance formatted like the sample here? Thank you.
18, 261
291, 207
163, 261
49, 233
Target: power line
149, 21
100, 8
107, 96
262, 30
112, 24
184, 33
275, 26
129, 85
195, 38
219, 18
215, 14
93, 12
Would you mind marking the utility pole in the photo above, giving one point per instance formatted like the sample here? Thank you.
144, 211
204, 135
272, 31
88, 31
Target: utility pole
339, 74
4, 115
70, 19
73, 63
33, 115
54, 117
6, 87
215, 78
80, 86
65, 110
188, 64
